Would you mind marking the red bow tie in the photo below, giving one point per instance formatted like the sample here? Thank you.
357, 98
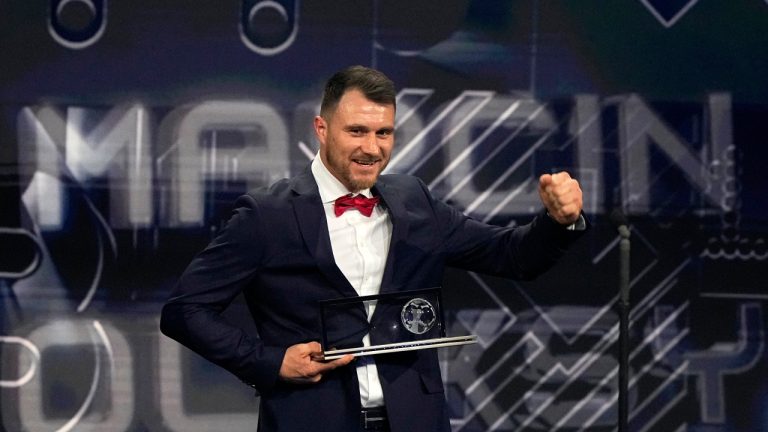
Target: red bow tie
361, 203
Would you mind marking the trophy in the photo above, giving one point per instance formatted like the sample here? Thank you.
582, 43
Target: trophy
401, 321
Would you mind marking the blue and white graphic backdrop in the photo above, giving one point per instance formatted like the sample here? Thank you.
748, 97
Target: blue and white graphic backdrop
127, 128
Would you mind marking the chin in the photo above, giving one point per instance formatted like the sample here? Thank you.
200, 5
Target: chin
360, 184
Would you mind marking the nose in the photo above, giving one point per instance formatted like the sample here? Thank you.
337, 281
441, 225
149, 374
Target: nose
370, 144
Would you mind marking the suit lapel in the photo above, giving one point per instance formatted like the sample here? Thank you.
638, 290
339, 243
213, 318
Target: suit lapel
314, 229
311, 220
397, 212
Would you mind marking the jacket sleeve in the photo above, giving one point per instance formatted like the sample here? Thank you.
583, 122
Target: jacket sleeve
521, 252
192, 315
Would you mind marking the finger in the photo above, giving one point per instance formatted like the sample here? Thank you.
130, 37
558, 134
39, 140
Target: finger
568, 207
320, 368
566, 190
545, 189
563, 186
314, 348
347, 359
545, 180
323, 367
570, 211
313, 351
560, 177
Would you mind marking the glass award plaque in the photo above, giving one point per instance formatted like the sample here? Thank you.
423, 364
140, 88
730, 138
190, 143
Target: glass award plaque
402, 321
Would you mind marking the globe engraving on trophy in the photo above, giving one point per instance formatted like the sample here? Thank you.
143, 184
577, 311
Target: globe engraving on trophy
418, 316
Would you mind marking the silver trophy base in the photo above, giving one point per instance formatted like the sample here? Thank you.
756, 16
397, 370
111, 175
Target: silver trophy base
400, 346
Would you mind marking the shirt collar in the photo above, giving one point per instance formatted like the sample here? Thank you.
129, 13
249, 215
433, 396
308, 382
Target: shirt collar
330, 187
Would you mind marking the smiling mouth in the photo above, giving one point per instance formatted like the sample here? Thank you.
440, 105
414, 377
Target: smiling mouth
364, 162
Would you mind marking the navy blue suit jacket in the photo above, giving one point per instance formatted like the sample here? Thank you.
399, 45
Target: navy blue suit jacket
276, 250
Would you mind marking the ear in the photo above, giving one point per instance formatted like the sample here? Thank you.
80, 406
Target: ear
321, 129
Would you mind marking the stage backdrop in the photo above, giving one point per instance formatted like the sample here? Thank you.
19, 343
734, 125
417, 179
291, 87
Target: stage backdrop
128, 127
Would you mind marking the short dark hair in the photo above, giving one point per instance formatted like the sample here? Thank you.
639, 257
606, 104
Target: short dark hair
371, 82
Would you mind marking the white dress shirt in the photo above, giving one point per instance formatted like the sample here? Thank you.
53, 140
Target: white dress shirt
360, 247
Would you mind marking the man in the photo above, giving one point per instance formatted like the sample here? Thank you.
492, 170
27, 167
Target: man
291, 245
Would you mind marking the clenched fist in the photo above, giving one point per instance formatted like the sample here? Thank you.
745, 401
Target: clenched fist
561, 196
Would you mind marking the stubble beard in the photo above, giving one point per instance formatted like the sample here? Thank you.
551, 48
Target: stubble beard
339, 168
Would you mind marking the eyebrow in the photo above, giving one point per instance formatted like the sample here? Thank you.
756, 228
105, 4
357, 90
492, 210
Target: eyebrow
356, 126
366, 128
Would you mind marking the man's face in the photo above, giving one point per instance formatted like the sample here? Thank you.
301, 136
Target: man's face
357, 140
